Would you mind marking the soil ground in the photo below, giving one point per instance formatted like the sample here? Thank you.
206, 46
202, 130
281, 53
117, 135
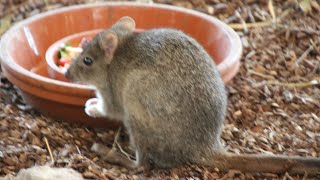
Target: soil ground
274, 100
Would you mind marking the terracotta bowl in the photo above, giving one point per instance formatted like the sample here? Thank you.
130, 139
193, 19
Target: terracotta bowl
23, 49
54, 71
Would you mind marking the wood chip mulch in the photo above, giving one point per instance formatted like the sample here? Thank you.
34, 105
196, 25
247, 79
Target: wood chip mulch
274, 101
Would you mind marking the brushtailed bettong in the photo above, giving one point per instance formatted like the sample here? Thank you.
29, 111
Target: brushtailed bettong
168, 93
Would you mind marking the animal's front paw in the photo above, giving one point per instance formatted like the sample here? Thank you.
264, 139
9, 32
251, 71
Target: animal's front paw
92, 111
94, 108
92, 101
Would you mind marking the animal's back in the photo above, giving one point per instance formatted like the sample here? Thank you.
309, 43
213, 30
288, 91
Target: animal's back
174, 96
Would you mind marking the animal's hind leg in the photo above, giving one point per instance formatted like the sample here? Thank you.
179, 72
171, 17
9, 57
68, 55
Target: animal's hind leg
113, 157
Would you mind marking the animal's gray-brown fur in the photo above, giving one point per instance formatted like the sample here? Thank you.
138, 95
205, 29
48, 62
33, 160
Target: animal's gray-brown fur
168, 93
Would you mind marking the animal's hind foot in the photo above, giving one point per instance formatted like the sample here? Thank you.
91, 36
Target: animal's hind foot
113, 157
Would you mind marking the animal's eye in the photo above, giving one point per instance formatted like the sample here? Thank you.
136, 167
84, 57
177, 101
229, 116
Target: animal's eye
87, 61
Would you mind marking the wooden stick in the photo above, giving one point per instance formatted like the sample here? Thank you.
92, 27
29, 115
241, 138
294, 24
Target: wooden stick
78, 150
124, 152
250, 25
239, 26
243, 22
49, 149
299, 84
271, 9
290, 85
304, 55
260, 74
120, 148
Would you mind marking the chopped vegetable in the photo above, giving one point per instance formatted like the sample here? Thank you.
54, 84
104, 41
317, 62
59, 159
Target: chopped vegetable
68, 52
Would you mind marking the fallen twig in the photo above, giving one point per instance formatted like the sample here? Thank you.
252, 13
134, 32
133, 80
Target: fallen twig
304, 55
287, 176
250, 25
239, 26
118, 145
271, 9
49, 149
299, 29
291, 85
116, 138
78, 150
124, 152
260, 74
243, 22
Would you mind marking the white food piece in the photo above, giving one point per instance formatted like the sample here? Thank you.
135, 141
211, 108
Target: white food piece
73, 49
47, 173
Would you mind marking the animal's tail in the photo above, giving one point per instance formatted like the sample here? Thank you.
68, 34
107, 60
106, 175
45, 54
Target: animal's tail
267, 163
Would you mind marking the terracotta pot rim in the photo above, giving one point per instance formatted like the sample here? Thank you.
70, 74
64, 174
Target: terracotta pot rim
50, 84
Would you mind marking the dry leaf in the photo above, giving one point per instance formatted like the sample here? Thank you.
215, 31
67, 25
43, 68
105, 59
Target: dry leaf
5, 24
305, 5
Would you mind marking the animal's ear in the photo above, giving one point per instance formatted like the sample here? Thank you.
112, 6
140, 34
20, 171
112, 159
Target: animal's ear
108, 42
126, 22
